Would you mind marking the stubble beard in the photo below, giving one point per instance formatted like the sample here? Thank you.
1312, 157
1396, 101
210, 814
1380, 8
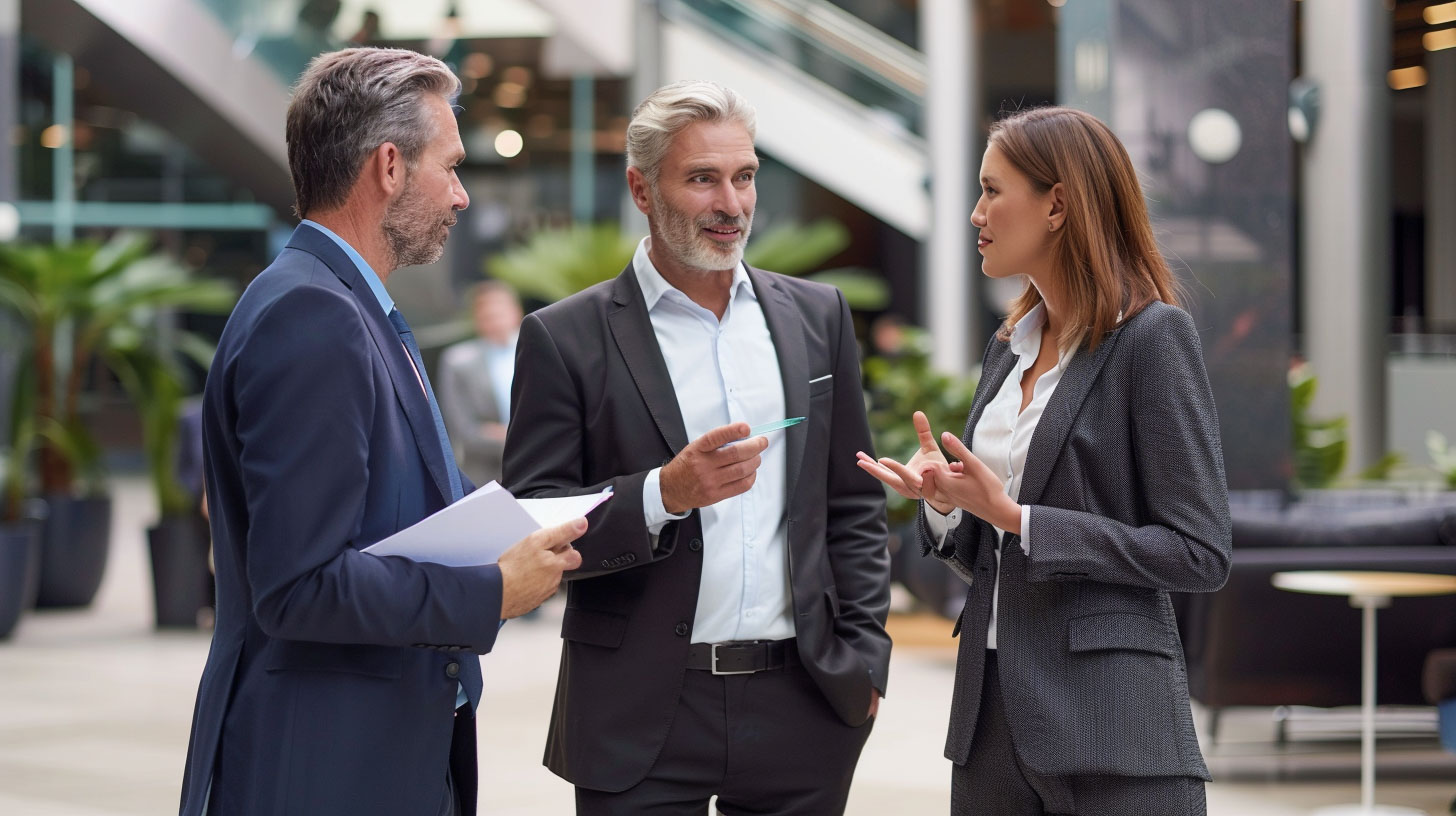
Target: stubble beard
414, 229
682, 238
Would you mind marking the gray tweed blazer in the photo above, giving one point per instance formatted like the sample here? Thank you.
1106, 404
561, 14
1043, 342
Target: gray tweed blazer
1125, 480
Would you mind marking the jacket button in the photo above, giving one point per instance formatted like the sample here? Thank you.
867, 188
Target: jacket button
681, 629
452, 670
695, 545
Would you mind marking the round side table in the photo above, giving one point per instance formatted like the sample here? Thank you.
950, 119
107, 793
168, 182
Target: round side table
1367, 591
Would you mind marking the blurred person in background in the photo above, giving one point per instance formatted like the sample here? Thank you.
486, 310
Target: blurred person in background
339, 682
1089, 484
475, 381
725, 634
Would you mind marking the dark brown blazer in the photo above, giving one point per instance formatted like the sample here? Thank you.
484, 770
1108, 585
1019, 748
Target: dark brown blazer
593, 406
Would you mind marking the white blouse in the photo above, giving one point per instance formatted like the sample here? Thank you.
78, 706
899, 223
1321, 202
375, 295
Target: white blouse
1004, 433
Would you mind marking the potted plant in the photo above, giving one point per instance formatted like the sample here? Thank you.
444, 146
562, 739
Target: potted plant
149, 358
19, 531
899, 382
72, 299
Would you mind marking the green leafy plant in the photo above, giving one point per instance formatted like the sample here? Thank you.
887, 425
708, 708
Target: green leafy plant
1443, 457
91, 302
1320, 445
901, 384
556, 263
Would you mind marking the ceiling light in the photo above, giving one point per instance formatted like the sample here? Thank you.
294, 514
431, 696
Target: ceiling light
1405, 78
1440, 13
508, 144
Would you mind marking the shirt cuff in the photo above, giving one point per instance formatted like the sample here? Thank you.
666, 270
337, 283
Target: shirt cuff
653, 512
939, 525
1026, 529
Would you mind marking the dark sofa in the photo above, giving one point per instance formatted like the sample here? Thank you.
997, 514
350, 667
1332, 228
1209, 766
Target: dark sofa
1250, 644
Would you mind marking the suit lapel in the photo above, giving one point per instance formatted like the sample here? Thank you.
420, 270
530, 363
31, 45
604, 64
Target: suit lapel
632, 329
786, 326
999, 362
396, 360
1056, 419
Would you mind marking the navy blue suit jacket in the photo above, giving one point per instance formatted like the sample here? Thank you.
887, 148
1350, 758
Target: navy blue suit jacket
331, 684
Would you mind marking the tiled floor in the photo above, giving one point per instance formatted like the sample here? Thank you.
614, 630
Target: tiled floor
95, 710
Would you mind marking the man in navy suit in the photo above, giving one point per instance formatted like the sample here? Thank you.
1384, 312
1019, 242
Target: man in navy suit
340, 682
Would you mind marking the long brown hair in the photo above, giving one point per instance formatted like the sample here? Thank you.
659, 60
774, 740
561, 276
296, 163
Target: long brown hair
1104, 256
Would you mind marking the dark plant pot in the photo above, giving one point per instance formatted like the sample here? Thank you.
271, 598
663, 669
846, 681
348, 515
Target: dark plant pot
181, 581
75, 544
19, 571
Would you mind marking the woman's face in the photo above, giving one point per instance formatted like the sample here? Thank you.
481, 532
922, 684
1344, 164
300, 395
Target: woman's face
1013, 218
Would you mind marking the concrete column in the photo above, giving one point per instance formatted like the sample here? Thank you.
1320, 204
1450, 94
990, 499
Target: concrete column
1441, 189
63, 158
583, 149
646, 78
9, 95
1346, 231
948, 37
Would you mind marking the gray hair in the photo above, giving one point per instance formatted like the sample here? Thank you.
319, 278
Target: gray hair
672, 108
346, 105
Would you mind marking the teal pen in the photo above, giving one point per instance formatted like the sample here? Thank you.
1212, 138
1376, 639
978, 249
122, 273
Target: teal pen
769, 427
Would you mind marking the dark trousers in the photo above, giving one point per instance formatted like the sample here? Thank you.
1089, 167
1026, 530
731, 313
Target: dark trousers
994, 782
460, 777
763, 743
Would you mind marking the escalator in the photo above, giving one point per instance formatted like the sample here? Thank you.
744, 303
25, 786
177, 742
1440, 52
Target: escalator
175, 63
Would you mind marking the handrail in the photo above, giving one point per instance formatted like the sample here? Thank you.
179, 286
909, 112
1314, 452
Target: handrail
839, 31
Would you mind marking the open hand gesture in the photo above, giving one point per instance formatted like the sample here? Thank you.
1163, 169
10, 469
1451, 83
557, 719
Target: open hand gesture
917, 478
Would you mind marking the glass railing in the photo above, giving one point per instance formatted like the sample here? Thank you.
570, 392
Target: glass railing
824, 41
282, 34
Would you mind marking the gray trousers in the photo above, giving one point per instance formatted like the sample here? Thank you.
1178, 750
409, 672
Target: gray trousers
994, 782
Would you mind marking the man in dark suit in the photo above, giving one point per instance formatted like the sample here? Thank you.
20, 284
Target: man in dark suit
725, 634
340, 682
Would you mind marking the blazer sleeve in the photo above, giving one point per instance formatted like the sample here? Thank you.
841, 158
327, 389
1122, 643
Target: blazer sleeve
304, 394
1185, 541
856, 537
545, 454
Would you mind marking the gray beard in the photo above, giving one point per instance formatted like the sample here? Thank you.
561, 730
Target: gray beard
679, 234
410, 241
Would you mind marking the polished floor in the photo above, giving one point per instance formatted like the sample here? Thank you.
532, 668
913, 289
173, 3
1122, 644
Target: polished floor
95, 709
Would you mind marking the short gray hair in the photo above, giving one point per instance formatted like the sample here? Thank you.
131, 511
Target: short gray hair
346, 105
672, 108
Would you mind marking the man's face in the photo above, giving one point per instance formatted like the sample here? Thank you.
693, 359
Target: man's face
418, 220
497, 316
702, 203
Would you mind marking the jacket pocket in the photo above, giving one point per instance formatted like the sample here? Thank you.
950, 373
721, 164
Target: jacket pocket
1120, 630
593, 627
385, 662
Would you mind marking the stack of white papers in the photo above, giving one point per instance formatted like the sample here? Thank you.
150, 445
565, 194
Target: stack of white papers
481, 526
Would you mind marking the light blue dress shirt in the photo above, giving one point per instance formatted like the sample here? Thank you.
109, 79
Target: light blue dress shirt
726, 371
500, 365
387, 304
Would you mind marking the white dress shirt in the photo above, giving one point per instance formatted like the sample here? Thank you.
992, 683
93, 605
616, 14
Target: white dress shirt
726, 371
1004, 433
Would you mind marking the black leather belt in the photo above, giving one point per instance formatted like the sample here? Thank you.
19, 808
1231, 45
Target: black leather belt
743, 656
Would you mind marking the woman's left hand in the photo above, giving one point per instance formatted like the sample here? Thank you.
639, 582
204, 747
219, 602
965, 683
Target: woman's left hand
970, 485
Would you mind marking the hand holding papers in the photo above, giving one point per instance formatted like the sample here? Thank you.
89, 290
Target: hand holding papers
479, 528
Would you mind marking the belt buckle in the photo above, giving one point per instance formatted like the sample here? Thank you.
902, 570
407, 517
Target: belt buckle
714, 665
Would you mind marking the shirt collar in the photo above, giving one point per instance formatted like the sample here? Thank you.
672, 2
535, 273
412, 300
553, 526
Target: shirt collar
655, 286
1026, 338
365, 271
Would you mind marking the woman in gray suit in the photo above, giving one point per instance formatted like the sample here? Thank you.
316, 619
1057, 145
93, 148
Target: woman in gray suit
1088, 485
